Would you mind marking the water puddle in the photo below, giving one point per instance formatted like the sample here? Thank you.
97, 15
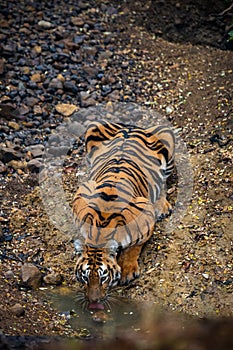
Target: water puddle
122, 317
119, 314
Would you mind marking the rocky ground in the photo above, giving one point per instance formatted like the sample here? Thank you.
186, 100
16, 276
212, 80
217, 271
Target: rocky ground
61, 59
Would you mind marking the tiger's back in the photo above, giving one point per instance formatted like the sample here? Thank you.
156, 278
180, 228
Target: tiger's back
125, 194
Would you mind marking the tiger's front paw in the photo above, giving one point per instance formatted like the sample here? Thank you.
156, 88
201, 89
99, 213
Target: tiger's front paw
129, 272
162, 208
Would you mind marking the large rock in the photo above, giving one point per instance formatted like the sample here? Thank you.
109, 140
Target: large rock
31, 276
7, 154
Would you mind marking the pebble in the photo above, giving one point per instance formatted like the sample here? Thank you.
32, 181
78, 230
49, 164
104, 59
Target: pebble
86, 100
7, 154
79, 39
34, 165
14, 125
31, 101
37, 110
77, 21
17, 310
36, 150
205, 275
66, 109
17, 164
76, 128
31, 275
9, 274
55, 84
45, 24
36, 78
114, 95
53, 279
70, 87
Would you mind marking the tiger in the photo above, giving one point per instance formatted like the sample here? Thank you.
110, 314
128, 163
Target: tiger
116, 209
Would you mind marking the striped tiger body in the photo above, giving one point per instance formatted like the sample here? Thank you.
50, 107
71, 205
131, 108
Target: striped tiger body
116, 209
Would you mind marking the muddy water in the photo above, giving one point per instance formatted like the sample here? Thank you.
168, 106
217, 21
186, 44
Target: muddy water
121, 316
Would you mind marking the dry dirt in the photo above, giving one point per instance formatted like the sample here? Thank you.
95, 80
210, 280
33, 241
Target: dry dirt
190, 269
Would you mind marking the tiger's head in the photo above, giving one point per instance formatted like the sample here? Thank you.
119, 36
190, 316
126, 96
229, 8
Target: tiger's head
97, 269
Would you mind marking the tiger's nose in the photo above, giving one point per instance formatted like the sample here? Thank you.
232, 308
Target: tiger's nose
94, 298
94, 294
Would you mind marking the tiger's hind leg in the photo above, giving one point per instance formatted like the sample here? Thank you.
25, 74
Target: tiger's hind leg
162, 207
128, 262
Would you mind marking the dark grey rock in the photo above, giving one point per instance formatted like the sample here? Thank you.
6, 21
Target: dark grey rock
35, 165
7, 154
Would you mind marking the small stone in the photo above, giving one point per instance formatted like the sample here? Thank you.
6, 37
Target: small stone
37, 110
205, 275
83, 5
31, 275
45, 24
34, 165
76, 128
79, 39
106, 89
60, 77
55, 84
36, 150
66, 109
124, 65
70, 87
36, 77
169, 109
37, 49
178, 22
77, 21
31, 101
90, 50
14, 125
9, 274
53, 279
17, 310
17, 164
8, 111
28, 124
105, 55
25, 70
23, 109
86, 100
91, 72
7, 154
114, 95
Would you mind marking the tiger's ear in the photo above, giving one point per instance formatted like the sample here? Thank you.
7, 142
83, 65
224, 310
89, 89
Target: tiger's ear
79, 247
111, 248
